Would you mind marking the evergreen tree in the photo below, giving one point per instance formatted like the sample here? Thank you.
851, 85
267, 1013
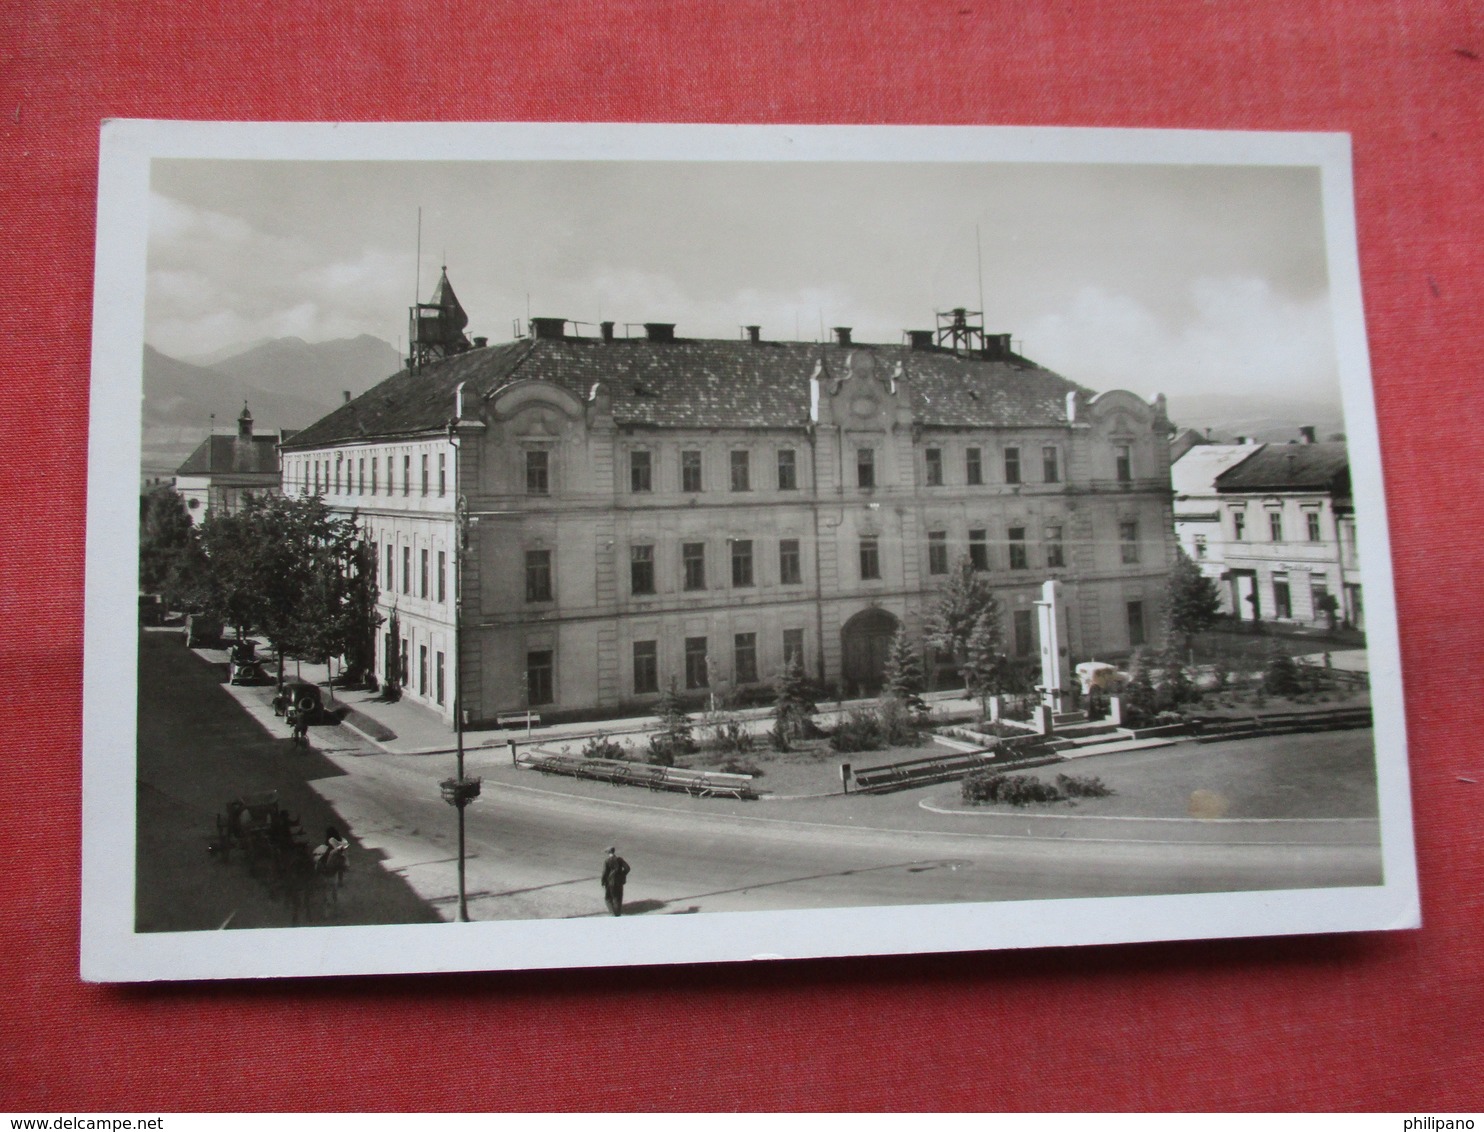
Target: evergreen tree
674, 736
1193, 600
793, 707
1281, 677
952, 620
1139, 695
1175, 684
903, 676
983, 666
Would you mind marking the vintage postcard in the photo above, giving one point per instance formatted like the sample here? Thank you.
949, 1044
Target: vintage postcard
520, 545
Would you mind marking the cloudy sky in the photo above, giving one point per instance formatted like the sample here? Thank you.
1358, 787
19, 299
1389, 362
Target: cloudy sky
1172, 279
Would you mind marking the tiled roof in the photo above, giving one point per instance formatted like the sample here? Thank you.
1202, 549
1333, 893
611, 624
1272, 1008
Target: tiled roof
221, 455
698, 383
1291, 467
1195, 472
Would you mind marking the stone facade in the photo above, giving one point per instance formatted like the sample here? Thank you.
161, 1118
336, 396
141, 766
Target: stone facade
642, 511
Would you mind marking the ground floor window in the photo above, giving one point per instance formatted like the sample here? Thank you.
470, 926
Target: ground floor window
793, 647
438, 679
744, 658
1025, 634
539, 677
646, 667
1282, 599
695, 663
1135, 612
422, 670
404, 670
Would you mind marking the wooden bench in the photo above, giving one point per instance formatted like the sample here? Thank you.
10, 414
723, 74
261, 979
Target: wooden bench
526, 719
915, 772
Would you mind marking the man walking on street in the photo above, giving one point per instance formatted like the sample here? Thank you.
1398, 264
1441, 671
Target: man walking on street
615, 870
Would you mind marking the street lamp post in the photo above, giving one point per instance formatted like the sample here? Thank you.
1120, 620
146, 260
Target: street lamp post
459, 791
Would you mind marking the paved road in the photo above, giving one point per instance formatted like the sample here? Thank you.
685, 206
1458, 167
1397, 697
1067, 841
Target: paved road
536, 844
535, 847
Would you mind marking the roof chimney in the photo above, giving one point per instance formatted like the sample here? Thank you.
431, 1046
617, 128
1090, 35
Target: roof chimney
345, 393
660, 331
607, 329
549, 327
842, 335
754, 334
481, 343
1307, 432
920, 339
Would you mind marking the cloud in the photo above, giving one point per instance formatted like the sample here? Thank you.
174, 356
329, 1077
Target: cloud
216, 281
1237, 335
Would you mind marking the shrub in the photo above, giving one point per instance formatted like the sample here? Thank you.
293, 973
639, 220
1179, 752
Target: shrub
901, 725
1079, 786
1281, 676
742, 766
661, 751
602, 747
730, 736
860, 730
1012, 789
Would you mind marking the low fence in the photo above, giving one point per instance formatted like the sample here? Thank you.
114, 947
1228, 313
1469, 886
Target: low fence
1216, 729
699, 783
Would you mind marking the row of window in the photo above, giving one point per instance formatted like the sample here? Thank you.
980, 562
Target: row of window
790, 562
430, 585
1275, 528
348, 475
430, 674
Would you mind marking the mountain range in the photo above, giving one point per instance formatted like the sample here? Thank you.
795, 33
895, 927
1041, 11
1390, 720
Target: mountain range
285, 382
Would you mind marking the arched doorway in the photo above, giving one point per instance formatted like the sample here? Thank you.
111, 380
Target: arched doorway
865, 640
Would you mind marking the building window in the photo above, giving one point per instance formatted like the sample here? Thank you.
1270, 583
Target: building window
696, 674
375, 464
1012, 465
641, 475
870, 557
404, 670
693, 559
426, 483
442, 473
1200, 547
1123, 463
339, 462
790, 572
793, 648
937, 552
742, 562
407, 569
788, 470
1018, 558
690, 471
934, 467
741, 471
390, 581
865, 467
1135, 612
406, 475
1319, 597
539, 677
538, 575
1312, 519
1275, 526
974, 466
646, 667
1051, 464
442, 577
1282, 600
1128, 543
744, 658
641, 570
425, 571
361, 476
438, 679
1239, 525
422, 670
538, 472
1056, 556
979, 548
1025, 636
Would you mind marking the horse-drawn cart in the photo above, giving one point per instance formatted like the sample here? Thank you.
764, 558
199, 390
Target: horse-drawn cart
272, 842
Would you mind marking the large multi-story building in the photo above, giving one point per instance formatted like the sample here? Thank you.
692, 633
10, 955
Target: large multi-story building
568, 524
1200, 524
219, 476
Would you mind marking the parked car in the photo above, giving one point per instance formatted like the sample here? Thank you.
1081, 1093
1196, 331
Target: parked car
299, 695
202, 631
151, 609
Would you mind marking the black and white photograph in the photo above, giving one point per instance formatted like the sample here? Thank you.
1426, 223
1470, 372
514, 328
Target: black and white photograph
563, 545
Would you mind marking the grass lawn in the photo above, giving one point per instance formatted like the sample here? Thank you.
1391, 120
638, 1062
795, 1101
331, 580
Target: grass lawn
1328, 775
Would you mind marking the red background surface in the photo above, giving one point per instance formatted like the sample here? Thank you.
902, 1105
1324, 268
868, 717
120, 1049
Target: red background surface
1388, 1021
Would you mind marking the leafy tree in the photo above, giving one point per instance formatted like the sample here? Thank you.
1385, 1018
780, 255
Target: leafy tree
793, 707
170, 560
1193, 601
952, 620
392, 689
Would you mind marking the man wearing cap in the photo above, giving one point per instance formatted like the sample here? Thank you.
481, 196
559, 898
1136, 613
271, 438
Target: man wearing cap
615, 870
